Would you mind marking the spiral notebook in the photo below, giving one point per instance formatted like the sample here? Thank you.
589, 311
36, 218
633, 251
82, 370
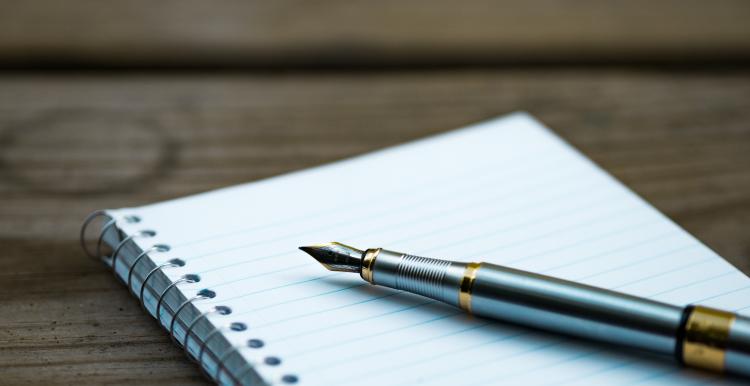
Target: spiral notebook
222, 273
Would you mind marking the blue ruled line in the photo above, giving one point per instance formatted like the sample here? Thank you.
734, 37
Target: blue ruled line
440, 181
398, 225
583, 223
388, 211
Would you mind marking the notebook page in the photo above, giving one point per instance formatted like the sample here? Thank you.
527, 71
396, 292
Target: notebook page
506, 191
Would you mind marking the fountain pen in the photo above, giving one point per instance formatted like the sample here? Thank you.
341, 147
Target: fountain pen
695, 335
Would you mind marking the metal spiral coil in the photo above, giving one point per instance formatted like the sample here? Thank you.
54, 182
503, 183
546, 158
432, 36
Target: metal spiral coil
155, 248
188, 278
86, 222
220, 310
122, 244
234, 326
203, 345
202, 294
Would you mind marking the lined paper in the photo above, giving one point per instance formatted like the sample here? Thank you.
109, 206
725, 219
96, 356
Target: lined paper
506, 191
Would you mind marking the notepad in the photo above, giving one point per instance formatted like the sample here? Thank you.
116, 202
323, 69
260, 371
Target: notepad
507, 191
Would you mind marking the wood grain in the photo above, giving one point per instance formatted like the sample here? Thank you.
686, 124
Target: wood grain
369, 33
71, 144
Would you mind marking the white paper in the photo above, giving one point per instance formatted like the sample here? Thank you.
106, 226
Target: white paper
506, 191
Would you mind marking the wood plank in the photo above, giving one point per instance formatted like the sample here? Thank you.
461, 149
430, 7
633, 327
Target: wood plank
72, 144
65, 320
391, 32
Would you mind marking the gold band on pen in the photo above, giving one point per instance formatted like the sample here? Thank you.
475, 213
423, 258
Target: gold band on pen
368, 261
706, 336
467, 285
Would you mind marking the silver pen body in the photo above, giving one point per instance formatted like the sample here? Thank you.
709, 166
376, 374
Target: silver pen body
697, 336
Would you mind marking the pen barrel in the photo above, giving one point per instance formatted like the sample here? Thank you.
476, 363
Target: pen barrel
574, 309
696, 336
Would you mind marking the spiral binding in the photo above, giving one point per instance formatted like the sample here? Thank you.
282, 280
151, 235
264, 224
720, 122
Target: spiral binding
187, 278
221, 310
253, 344
144, 285
221, 359
86, 222
116, 252
234, 326
202, 294
155, 248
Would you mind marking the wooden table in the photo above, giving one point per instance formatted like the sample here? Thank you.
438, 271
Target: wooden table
72, 142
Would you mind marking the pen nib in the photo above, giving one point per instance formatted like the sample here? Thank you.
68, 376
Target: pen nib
336, 256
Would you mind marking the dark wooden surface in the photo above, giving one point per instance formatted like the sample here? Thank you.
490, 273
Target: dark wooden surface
119, 132
371, 33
